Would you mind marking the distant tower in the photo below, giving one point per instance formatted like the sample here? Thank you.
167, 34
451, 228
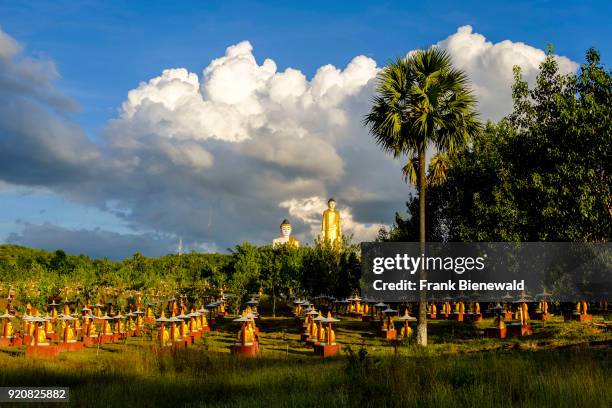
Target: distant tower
180, 247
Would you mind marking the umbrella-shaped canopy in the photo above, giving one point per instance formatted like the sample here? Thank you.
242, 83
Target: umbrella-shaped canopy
312, 312
66, 317
85, 309
388, 310
381, 304
194, 314
212, 305
182, 316
498, 308
119, 316
53, 303
138, 312
544, 294
407, 316
6, 315
319, 318
523, 299
329, 320
162, 319
98, 305
242, 319
36, 319
105, 317
252, 302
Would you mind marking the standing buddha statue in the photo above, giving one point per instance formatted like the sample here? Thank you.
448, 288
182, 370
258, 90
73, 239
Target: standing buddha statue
331, 229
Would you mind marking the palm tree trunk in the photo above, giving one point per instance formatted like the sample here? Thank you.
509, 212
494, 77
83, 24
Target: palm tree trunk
422, 318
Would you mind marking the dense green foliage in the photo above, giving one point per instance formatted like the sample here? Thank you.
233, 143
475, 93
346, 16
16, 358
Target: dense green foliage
541, 174
38, 275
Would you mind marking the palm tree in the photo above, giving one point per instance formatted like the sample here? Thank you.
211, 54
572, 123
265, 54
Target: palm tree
421, 101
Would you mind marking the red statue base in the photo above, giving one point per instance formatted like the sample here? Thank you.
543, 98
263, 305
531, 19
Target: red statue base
457, 316
249, 350
10, 341
90, 341
496, 333
106, 338
432, 316
326, 350
520, 330
43, 351
475, 317
389, 334
581, 317
71, 346
543, 316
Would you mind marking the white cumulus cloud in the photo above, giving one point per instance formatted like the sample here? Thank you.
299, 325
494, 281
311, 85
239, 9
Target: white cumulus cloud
223, 155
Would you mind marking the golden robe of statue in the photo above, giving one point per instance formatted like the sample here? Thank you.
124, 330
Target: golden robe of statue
330, 228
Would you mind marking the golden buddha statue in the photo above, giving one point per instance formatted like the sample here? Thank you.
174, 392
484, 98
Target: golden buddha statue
330, 336
42, 335
331, 229
285, 238
49, 325
524, 313
164, 335
7, 330
176, 333
67, 332
406, 331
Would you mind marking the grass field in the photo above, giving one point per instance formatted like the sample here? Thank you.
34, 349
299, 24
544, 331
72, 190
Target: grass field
561, 365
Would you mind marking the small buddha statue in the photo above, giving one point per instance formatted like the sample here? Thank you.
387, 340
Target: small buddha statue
524, 314
67, 332
176, 333
164, 335
584, 307
7, 330
406, 331
330, 336
49, 325
285, 238
42, 335
330, 228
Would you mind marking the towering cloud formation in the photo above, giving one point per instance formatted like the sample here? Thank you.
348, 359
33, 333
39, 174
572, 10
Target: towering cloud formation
224, 156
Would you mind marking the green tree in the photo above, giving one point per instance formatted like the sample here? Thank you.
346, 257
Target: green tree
542, 174
422, 101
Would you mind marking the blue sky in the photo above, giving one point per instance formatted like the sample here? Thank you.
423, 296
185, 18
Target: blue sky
104, 49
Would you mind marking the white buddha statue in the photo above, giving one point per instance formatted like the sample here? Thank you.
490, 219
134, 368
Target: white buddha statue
285, 237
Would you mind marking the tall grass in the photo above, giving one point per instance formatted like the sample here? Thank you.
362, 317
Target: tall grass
369, 373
